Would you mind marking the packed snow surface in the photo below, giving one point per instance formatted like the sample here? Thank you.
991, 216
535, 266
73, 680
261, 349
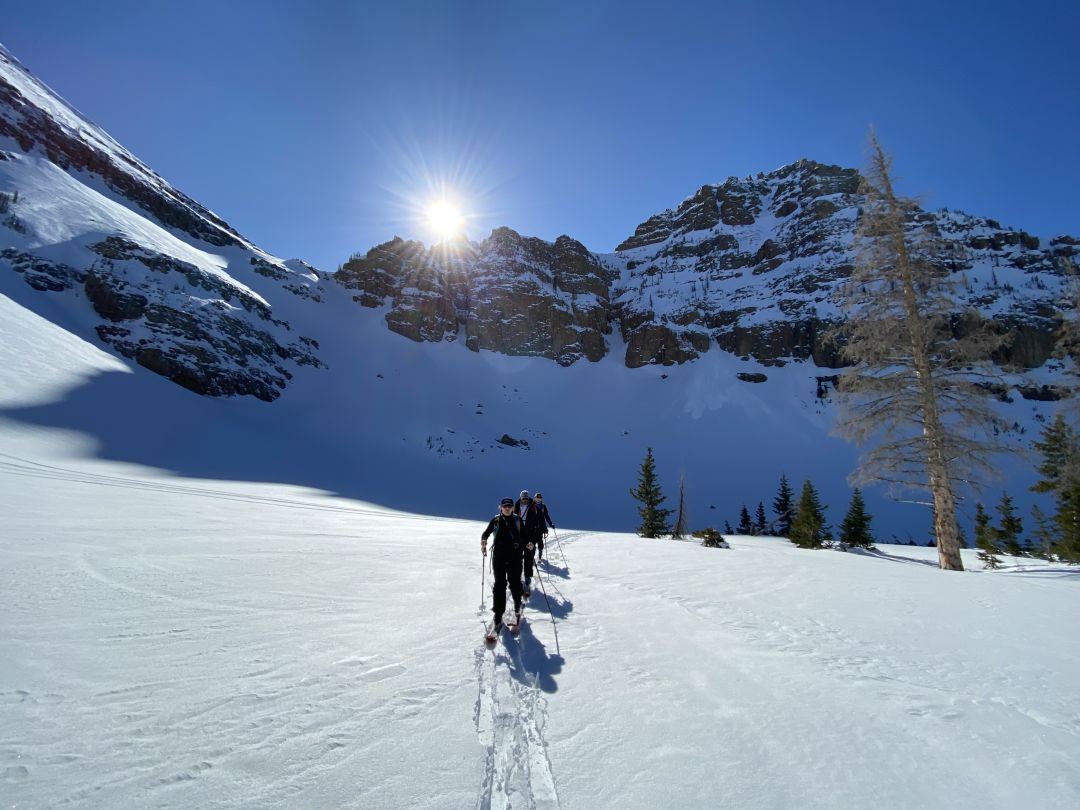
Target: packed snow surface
170, 641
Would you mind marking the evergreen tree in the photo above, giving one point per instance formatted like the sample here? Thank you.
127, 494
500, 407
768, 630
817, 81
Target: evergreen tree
727, 528
1008, 533
654, 518
1044, 533
986, 539
909, 389
682, 519
745, 526
808, 527
760, 520
1060, 476
782, 506
855, 530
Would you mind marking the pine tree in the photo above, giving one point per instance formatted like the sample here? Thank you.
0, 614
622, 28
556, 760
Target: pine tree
855, 530
1044, 533
986, 539
1059, 474
808, 527
782, 506
1008, 533
727, 528
745, 526
759, 519
910, 391
682, 519
654, 518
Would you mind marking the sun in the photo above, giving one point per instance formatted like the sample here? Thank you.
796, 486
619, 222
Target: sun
445, 218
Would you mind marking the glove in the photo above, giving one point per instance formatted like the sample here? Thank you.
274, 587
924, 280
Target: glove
529, 546
483, 547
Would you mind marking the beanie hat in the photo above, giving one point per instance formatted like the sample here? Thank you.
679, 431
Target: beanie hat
524, 495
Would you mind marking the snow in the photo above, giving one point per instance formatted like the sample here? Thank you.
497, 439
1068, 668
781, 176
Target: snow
185, 641
177, 643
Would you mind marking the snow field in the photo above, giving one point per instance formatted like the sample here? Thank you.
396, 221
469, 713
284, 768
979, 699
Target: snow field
173, 642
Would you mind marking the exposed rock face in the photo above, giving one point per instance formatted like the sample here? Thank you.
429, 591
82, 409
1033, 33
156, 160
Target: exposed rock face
220, 341
751, 265
509, 293
166, 282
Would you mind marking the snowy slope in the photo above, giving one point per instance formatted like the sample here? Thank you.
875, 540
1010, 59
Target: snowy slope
190, 643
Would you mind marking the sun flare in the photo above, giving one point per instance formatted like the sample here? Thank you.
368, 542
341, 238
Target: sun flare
445, 219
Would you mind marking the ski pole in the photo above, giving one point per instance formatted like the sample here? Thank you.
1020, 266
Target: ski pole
557, 540
550, 614
483, 575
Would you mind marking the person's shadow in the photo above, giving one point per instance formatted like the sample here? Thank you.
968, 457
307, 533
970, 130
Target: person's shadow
530, 662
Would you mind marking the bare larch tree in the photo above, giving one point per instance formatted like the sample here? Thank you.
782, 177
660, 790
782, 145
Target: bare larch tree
911, 392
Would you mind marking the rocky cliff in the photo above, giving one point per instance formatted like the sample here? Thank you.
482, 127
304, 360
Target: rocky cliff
750, 265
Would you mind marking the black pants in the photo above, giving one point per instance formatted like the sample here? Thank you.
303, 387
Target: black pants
530, 556
506, 564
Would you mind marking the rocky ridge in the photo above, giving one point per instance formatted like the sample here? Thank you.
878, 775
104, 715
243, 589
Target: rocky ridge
160, 278
750, 265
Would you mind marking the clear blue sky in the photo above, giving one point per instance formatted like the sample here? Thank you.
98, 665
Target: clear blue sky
318, 129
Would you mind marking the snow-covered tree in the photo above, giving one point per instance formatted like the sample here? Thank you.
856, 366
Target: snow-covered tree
911, 392
654, 518
855, 529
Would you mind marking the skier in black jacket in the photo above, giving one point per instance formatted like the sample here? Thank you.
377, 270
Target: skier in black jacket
545, 521
532, 528
508, 546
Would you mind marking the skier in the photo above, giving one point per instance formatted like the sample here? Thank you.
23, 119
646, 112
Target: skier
508, 546
532, 528
545, 521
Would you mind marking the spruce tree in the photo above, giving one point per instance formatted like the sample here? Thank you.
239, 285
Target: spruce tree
986, 539
760, 520
1044, 533
1060, 476
855, 530
783, 507
1008, 533
808, 526
654, 518
727, 528
745, 526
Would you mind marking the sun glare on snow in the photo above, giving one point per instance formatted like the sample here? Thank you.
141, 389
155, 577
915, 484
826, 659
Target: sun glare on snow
445, 219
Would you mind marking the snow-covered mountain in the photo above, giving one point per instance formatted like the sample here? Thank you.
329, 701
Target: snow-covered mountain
698, 336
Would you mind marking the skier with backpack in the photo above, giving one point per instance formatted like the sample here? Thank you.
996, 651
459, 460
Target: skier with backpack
509, 546
545, 521
532, 525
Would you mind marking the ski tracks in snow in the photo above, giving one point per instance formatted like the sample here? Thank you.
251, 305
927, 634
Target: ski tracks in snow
511, 718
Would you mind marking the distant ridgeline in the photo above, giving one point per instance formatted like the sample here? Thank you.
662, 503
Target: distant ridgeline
750, 266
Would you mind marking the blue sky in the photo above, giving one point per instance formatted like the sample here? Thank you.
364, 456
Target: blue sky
319, 129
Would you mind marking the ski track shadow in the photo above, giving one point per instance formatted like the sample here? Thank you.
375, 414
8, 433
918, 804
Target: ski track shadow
530, 663
1055, 572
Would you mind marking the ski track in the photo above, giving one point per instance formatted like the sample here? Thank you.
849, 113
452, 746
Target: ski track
511, 718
